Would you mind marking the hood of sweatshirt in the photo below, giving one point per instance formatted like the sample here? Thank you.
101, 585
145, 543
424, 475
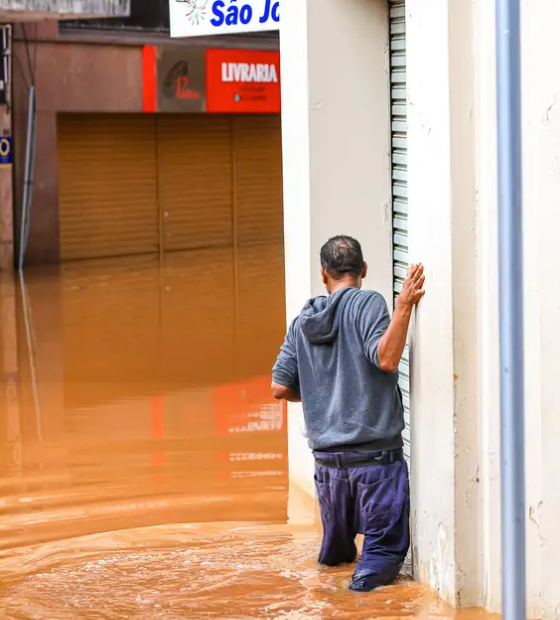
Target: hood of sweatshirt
319, 319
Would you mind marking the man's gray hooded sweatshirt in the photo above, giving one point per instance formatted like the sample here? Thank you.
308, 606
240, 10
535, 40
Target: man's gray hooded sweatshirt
330, 357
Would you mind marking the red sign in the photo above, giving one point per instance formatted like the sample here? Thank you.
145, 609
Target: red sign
242, 81
149, 78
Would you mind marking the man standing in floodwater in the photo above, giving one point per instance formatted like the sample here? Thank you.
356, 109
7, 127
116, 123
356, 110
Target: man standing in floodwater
340, 358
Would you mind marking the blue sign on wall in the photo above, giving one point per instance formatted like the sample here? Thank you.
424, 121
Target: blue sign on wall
6, 151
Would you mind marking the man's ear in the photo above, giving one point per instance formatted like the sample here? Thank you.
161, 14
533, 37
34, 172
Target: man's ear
324, 276
364, 271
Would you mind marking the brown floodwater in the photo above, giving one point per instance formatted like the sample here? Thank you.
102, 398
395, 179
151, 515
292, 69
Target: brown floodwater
143, 463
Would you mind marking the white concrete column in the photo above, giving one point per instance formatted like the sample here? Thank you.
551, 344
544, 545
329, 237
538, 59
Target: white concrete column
487, 303
488, 313
441, 164
336, 143
541, 178
430, 225
541, 127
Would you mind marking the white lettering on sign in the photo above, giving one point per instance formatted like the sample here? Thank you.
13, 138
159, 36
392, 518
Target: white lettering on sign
244, 72
192, 18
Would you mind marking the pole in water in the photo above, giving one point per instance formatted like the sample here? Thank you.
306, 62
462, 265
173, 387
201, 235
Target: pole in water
508, 71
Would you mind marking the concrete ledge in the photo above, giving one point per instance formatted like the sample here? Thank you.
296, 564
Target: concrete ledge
14, 10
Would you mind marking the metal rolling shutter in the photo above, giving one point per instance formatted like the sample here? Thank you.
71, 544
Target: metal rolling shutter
195, 180
399, 174
107, 185
257, 178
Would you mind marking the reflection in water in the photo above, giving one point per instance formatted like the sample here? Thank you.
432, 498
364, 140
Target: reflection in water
143, 464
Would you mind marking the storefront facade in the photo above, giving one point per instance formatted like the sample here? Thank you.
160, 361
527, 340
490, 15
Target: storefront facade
12, 13
149, 148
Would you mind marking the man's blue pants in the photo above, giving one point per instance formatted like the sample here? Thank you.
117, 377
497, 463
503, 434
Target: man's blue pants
374, 501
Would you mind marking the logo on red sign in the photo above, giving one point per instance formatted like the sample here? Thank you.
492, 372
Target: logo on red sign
176, 83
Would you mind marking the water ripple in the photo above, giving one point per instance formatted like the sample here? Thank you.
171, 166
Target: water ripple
176, 572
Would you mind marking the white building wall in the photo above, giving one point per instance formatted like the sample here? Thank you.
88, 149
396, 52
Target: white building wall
460, 119
334, 176
541, 130
541, 178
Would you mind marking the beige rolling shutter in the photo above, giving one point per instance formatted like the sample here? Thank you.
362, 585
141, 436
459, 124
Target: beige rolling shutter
107, 185
257, 165
195, 183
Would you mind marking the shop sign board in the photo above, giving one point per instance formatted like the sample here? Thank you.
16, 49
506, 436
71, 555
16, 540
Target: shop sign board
6, 151
221, 81
195, 18
242, 81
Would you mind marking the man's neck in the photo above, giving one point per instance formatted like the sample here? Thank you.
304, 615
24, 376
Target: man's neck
337, 285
